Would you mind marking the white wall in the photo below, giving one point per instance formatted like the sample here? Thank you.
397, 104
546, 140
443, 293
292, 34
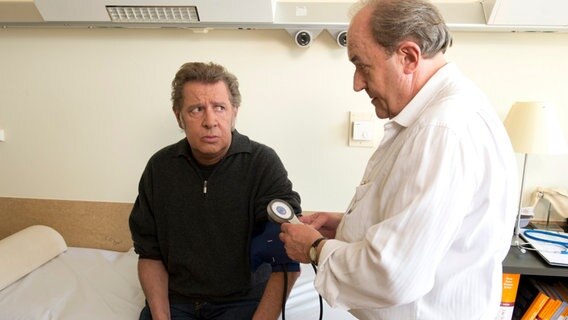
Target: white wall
83, 109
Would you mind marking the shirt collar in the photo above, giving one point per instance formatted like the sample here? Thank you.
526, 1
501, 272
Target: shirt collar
414, 108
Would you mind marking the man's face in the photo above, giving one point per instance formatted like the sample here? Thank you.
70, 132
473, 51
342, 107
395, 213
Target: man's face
379, 74
207, 117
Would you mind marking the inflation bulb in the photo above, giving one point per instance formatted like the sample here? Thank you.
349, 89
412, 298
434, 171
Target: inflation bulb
280, 211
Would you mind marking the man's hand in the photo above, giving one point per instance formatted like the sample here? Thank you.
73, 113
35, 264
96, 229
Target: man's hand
325, 222
298, 239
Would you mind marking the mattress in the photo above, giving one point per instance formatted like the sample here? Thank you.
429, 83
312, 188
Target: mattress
86, 284
80, 283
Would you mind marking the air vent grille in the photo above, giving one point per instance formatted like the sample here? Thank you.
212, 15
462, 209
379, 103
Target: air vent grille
137, 14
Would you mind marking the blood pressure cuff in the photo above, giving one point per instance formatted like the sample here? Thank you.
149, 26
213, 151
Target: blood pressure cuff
266, 247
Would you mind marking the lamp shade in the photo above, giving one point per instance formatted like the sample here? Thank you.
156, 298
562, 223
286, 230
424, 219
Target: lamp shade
533, 128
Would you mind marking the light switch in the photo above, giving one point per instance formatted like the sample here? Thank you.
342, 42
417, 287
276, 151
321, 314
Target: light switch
362, 129
2, 136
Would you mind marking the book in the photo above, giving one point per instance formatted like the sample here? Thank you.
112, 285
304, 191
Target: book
508, 296
541, 298
562, 312
553, 302
560, 303
536, 305
526, 294
548, 309
564, 315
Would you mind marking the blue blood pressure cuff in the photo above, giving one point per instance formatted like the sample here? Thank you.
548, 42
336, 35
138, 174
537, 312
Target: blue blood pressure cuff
266, 247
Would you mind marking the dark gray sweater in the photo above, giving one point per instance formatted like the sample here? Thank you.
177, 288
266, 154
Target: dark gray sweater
203, 234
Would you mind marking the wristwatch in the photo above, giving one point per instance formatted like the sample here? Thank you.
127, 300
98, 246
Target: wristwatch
314, 251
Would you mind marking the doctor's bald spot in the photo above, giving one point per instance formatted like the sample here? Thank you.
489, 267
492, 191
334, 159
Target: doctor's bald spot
394, 21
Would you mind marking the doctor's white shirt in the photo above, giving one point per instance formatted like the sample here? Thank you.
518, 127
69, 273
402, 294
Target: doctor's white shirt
428, 228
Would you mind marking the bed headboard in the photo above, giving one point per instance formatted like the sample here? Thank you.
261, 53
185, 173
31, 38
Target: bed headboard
100, 225
86, 224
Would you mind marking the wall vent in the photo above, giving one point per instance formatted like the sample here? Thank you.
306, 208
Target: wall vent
153, 14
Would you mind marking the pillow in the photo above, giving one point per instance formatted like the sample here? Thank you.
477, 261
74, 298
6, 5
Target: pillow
26, 250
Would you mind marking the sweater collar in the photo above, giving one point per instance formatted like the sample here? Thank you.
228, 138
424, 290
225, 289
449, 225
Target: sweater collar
239, 144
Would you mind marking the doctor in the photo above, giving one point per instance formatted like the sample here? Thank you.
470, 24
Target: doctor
432, 219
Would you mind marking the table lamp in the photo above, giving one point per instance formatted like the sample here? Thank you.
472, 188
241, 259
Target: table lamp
533, 129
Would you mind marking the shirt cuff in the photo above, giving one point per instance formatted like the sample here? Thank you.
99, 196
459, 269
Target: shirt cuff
328, 248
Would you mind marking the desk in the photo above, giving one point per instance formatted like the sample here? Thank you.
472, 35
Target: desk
530, 263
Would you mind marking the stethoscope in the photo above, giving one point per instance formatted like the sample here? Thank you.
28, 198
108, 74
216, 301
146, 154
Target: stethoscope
548, 237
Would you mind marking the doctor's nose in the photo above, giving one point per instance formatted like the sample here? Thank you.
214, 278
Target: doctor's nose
359, 82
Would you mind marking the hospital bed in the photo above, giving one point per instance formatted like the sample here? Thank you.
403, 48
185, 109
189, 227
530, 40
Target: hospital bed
67, 260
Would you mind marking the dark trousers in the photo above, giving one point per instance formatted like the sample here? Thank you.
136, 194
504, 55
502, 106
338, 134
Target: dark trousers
240, 310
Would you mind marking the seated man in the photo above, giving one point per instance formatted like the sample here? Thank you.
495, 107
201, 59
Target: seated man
199, 223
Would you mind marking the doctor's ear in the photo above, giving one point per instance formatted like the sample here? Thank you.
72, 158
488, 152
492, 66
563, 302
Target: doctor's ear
410, 55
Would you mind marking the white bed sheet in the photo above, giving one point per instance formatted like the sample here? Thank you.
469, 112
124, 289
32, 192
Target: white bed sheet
80, 283
94, 284
303, 302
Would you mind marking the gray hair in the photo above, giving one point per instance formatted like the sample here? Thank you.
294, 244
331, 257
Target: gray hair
205, 73
394, 21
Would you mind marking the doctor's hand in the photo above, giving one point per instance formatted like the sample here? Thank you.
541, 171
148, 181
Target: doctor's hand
298, 239
325, 222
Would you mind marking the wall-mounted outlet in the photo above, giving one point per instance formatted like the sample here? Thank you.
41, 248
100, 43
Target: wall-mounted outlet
2, 135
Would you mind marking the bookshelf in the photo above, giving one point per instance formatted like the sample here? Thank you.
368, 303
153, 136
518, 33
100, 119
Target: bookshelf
531, 267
